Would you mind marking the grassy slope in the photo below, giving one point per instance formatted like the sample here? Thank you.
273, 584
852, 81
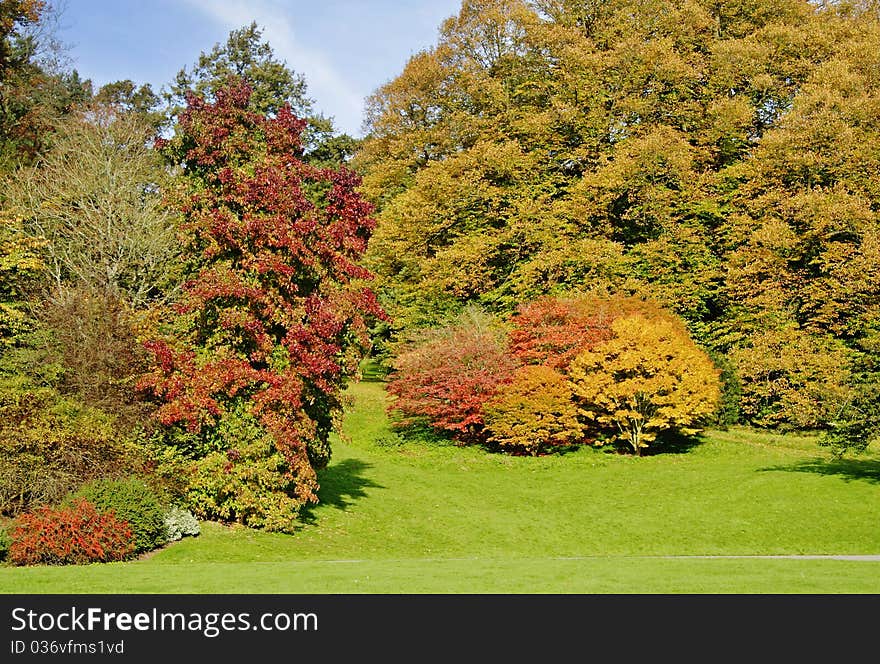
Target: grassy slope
438, 518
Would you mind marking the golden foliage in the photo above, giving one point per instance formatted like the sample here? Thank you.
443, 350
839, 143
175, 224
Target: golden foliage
533, 413
647, 378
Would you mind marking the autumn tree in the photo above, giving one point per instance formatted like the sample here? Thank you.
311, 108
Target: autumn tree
553, 330
36, 88
549, 146
445, 375
273, 317
649, 377
21, 268
533, 414
715, 157
803, 243
247, 56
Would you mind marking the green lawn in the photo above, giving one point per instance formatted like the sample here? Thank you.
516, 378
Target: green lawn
413, 517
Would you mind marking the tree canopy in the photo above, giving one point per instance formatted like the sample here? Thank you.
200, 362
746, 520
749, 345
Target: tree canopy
718, 158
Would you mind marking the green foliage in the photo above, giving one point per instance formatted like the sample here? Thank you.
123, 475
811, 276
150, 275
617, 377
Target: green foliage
231, 472
49, 446
244, 55
534, 413
5, 541
855, 423
728, 412
248, 484
125, 97
131, 500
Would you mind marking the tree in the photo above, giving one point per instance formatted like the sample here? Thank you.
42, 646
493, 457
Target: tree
273, 317
246, 56
126, 97
855, 420
802, 243
36, 89
95, 199
534, 413
792, 379
558, 145
649, 377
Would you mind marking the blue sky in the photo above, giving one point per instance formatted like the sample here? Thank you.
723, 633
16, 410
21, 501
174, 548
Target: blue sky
344, 48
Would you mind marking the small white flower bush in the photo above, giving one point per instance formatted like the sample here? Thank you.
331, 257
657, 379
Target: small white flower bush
180, 523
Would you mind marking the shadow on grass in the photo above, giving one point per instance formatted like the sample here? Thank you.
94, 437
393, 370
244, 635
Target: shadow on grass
850, 470
372, 371
342, 484
673, 442
416, 432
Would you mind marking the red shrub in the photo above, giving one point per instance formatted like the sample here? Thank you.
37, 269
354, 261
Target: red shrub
447, 378
69, 535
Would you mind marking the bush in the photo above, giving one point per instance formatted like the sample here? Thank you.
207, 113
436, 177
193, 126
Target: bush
5, 541
50, 445
534, 413
249, 484
75, 534
132, 500
554, 330
649, 377
446, 377
180, 523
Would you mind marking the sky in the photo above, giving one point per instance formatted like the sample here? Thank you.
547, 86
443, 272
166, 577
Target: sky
345, 49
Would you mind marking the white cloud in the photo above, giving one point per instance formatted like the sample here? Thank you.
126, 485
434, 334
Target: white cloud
333, 94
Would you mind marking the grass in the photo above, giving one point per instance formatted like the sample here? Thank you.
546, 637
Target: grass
408, 516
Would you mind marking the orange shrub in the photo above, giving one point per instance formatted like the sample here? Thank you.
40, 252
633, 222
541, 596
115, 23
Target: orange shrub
534, 413
76, 534
555, 330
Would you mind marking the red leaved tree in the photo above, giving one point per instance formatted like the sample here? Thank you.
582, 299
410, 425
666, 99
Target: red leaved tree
275, 312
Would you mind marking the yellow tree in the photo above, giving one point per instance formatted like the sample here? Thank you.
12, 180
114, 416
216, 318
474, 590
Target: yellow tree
647, 378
